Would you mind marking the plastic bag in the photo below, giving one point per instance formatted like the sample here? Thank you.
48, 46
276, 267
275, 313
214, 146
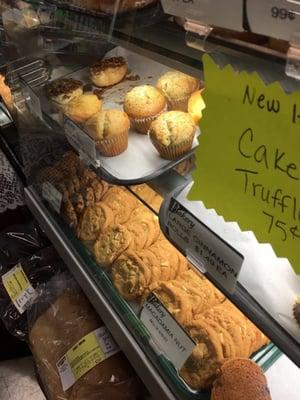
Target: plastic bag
61, 320
20, 276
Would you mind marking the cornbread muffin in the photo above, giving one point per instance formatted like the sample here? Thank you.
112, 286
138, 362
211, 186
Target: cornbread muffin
240, 379
82, 107
111, 243
177, 87
109, 129
108, 72
196, 105
62, 91
143, 104
172, 134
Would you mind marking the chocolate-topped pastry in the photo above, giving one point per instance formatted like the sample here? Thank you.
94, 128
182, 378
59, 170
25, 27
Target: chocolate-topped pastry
296, 310
108, 71
62, 91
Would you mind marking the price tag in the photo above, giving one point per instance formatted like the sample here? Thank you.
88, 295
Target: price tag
81, 142
248, 166
207, 250
88, 352
32, 101
19, 289
275, 18
170, 338
52, 195
226, 14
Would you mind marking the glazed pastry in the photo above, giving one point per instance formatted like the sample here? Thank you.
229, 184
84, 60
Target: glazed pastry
177, 87
94, 220
172, 134
143, 104
109, 71
109, 129
113, 241
240, 379
130, 276
62, 91
82, 107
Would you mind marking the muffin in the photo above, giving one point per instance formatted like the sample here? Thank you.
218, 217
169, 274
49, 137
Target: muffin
196, 105
240, 379
177, 87
62, 91
82, 107
172, 134
109, 129
143, 104
109, 71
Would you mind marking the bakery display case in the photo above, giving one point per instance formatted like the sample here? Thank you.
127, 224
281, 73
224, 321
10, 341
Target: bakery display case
108, 99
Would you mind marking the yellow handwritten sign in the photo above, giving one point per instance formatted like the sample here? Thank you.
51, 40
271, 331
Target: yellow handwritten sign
248, 159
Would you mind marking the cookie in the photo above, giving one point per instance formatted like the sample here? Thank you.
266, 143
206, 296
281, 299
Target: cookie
93, 221
69, 213
111, 243
130, 276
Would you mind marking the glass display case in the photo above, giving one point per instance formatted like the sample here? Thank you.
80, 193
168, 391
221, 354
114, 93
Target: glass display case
104, 127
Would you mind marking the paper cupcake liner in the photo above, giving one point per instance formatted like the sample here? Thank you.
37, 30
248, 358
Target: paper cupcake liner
182, 103
142, 125
114, 145
173, 151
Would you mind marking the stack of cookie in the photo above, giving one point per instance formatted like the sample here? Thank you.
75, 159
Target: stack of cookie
219, 329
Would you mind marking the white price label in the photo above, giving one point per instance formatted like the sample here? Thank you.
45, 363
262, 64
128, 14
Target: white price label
275, 18
208, 249
52, 195
32, 101
19, 289
170, 338
81, 142
88, 352
226, 14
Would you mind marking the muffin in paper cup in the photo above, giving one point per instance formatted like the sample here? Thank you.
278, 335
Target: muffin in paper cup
109, 128
142, 125
113, 145
178, 104
143, 104
173, 151
172, 134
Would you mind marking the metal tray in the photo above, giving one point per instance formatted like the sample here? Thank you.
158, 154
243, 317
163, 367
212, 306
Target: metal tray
140, 162
265, 357
262, 277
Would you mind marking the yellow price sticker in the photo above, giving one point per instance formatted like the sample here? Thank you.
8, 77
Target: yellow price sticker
85, 355
248, 166
88, 352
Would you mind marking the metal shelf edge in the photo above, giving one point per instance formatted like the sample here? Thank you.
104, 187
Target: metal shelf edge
147, 372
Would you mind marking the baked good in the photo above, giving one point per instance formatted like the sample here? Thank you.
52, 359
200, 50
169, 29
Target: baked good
196, 105
62, 91
109, 129
81, 108
143, 104
172, 134
130, 276
93, 221
296, 310
5, 93
121, 202
66, 321
113, 241
240, 379
177, 87
109, 71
